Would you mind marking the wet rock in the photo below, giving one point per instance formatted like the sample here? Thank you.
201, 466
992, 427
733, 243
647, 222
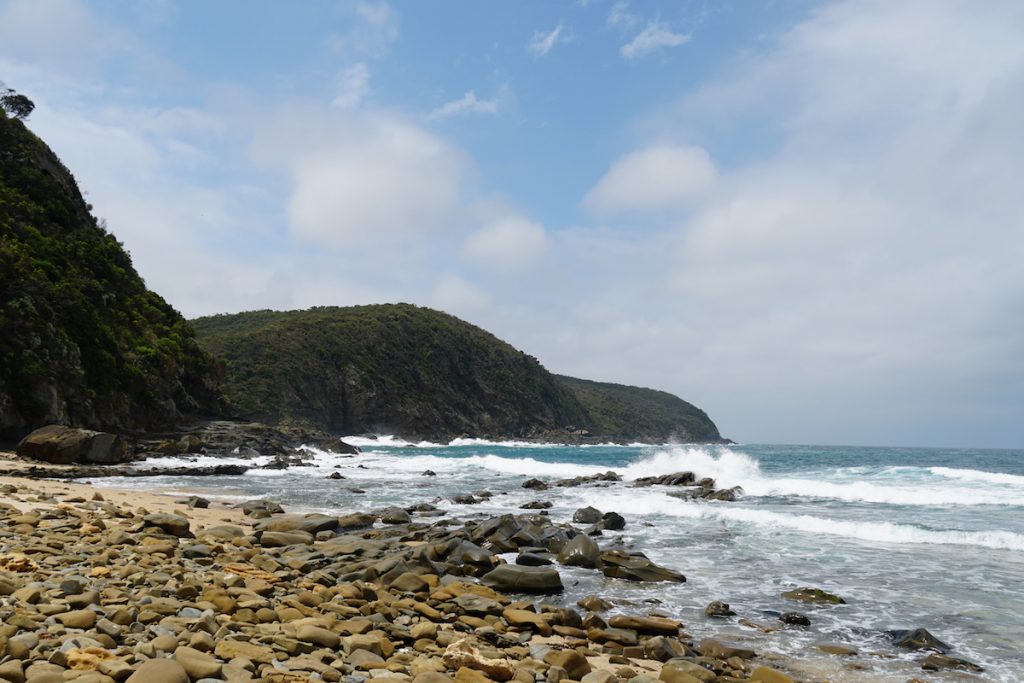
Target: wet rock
612, 521
676, 479
581, 551
592, 603
720, 649
395, 515
587, 515
719, 609
795, 619
518, 579
536, 505
620, 564
335, 475
917, 639
767, 674
465, 499
535, 484
533, 560
814, 596
429, 473
651, 626
837, 649
939, 662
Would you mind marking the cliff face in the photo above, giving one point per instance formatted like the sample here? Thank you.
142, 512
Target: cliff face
82, 341
421, 373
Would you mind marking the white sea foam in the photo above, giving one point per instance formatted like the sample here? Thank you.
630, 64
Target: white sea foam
893, 494
645, 502
978, 476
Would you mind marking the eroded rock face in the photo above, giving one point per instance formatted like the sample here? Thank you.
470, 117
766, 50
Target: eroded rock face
70, 446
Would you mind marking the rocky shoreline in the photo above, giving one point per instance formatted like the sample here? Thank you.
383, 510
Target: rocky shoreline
128, 587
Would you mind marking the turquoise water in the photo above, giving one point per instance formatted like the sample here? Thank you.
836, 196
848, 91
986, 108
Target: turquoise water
929, 538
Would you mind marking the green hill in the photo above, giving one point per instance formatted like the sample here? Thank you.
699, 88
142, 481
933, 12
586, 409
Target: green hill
420, 373
624, 412
82, 341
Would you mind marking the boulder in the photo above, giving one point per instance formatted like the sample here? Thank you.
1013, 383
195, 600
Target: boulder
581, 551
612, 521
172, 524
650, 626
938, 662
68, 445
395, 515
575, 664
719, 609
312, 523
159, 671
918, 639
618, 564
720, 649
463, 654
587, 515
283, 539
814, 596
519, 579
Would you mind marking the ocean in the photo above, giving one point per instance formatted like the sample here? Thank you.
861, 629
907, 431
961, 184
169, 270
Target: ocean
909, 537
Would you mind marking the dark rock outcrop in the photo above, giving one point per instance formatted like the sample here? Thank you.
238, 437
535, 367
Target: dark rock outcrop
68, 446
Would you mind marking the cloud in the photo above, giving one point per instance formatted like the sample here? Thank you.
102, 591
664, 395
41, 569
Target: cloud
363, 179
453, 294
653, 180
506, 244
542, 43
620, 17
655, 36
469, 104
374, 29
61, 35
353, 86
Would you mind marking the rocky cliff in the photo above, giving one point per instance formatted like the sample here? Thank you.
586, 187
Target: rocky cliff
82, 340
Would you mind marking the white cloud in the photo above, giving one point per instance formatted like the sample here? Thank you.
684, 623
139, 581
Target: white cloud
453, 294
653, 180
542, 43
620, 17
374, 30
353, 86
365, 179
468, 104
655, 36
61, 35
508, 243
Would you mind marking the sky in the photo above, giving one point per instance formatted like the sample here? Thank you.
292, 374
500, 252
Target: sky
805, 217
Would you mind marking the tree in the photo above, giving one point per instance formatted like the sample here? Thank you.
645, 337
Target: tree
15, 104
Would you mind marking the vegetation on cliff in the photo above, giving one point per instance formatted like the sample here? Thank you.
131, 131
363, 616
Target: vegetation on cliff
82, 341
424, 374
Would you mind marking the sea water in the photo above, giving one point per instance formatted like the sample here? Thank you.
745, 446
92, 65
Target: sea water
930, 538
